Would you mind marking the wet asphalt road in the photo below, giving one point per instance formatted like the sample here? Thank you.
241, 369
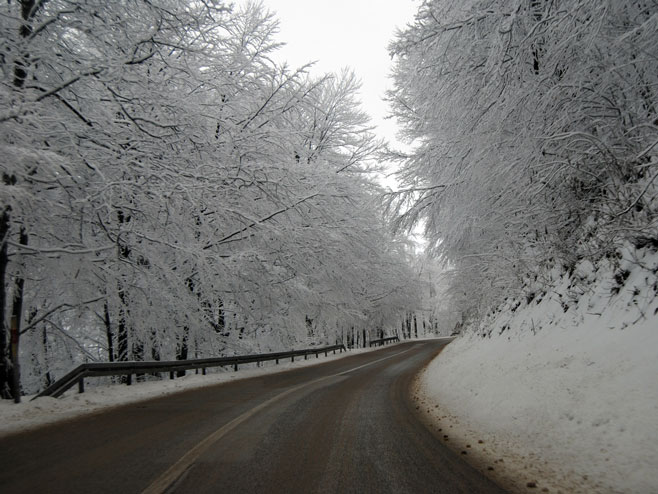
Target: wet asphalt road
345, 426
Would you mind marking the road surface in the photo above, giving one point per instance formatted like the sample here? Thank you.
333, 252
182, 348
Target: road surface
345, 426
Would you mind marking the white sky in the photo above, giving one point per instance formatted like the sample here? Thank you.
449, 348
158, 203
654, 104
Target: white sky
345, 33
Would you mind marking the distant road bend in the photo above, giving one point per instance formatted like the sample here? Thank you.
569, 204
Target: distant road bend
345, 426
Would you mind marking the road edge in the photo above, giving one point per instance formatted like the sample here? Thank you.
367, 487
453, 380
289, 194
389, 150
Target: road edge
72, 406
503, 462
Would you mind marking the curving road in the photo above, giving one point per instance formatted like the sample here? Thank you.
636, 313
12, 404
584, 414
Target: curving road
340, 427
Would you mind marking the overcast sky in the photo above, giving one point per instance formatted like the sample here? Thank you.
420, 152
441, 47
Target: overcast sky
345, 33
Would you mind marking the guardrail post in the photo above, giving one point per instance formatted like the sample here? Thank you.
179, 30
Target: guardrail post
292, 359
203, 371
81, 385
277, 361
235, 367
129, 379
172, 375
14, 385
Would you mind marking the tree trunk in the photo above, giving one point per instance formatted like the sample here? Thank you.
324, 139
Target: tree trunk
123, 343
138, 354
40, 351
9, 365
5, 363
181, 353
47, 378
122, 330
16, 317
155, 347
122, 333
108, 332
221, 317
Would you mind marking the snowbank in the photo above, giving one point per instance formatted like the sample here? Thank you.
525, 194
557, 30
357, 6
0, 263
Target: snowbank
562, 388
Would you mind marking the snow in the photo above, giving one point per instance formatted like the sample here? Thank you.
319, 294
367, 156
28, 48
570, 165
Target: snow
566, 400
30, 414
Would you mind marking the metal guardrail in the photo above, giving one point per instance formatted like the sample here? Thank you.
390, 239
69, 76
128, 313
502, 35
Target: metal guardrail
98, 369
384, 341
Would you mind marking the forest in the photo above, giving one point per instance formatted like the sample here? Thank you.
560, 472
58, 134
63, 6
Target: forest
535, 139
170, 192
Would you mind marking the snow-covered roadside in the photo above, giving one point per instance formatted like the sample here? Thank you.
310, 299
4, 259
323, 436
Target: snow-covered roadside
30, 414
559, 393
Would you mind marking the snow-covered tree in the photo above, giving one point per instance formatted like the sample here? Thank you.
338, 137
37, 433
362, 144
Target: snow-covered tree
169, 191
534, 128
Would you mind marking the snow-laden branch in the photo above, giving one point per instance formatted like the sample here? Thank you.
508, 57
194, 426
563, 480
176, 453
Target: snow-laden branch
67, 83
639, 196
260, 221
58, 250
65, 306
415, 189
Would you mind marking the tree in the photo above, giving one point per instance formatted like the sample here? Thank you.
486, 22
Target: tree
534, 130
154, 155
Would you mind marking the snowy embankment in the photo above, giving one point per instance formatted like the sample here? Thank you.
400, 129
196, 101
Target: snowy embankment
559, 392
29, 414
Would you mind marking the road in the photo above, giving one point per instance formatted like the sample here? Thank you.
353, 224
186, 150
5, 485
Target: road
345, 426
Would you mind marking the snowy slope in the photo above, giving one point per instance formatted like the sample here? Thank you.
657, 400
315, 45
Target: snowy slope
563, 385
